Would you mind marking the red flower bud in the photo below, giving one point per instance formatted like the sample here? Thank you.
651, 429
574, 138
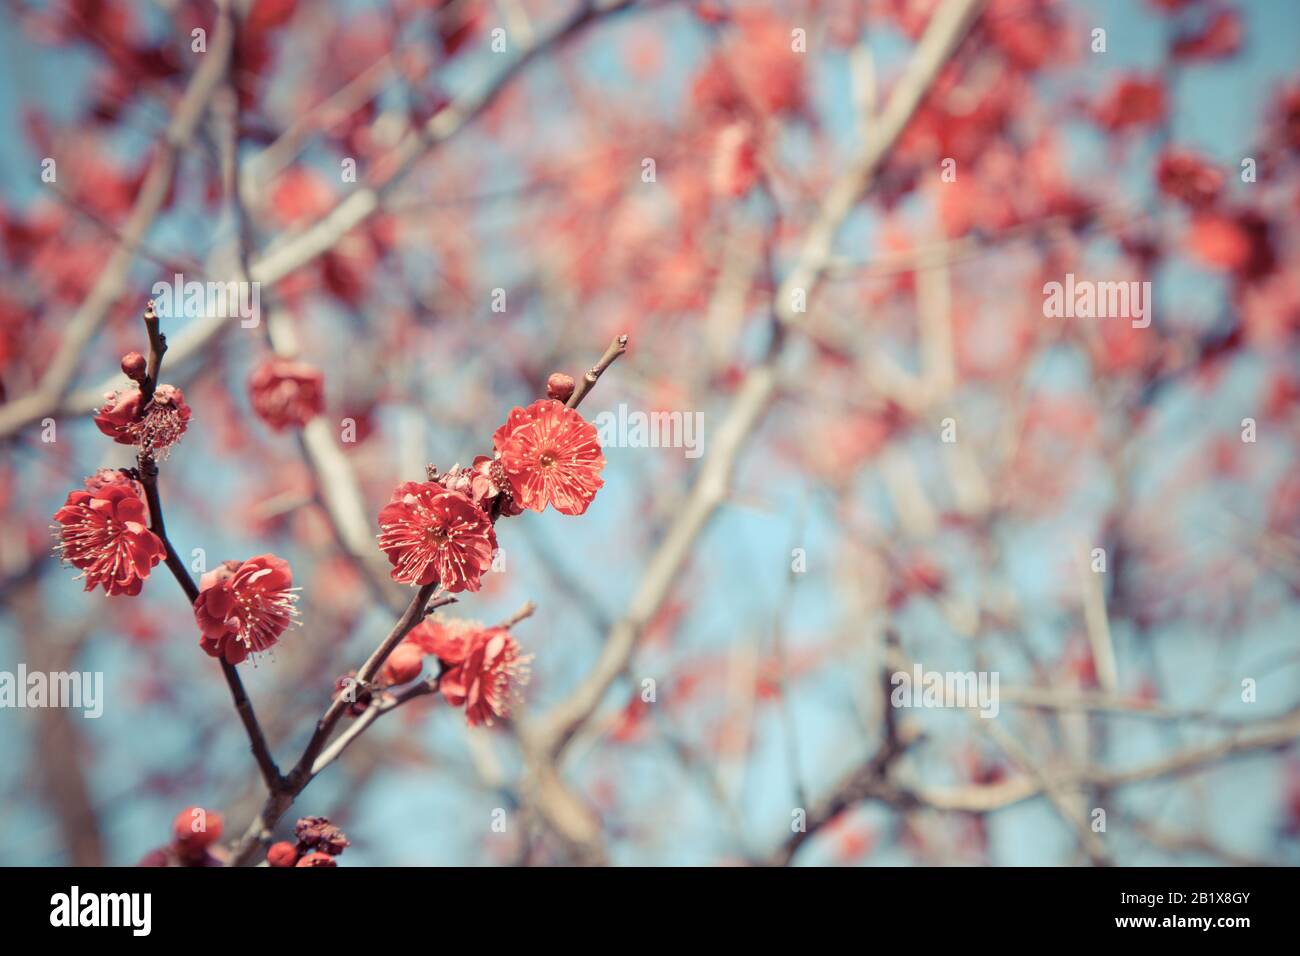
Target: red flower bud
133, 364
283, 853
404, 664
317, 859
196, 829
559, 387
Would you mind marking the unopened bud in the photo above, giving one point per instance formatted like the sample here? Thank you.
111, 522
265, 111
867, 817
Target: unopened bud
283, 853
559, 387
133, 364
404, 664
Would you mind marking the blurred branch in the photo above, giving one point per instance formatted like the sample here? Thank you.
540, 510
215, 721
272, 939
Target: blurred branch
112, 280
546, 742
305, 246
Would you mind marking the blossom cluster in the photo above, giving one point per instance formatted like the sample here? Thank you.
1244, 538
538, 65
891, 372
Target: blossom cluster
440, 531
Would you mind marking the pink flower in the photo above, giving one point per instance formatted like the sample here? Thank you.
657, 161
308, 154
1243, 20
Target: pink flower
551, 455
105, 533
155, 427
433, 534
243, 608
486, 680
286, 393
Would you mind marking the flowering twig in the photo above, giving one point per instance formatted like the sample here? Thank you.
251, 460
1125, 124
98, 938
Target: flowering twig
148, 471
392, 701
287, 788
319, 752
148, 475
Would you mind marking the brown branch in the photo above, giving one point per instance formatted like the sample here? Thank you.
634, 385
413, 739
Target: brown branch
372, 713
304, 247
947, 28
588, 382
304, 771
523, 614
148, 470
157, 349
873, 776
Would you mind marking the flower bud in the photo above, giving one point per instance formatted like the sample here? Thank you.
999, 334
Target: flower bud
283, 853
196, 829
133, 364
404, 664
559, 387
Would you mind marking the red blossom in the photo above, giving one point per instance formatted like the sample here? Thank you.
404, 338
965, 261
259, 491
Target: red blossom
104, 532
486, 680
481, 666
1188, 178
155, 427
1240, 243
115, 476
286, 393
118, 415
243, 608
446, 639
433, 534
551, 455
1131, 103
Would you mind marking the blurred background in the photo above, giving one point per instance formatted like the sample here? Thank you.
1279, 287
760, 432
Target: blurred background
826, 227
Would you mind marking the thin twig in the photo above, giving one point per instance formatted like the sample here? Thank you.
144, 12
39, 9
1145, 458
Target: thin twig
616, 348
